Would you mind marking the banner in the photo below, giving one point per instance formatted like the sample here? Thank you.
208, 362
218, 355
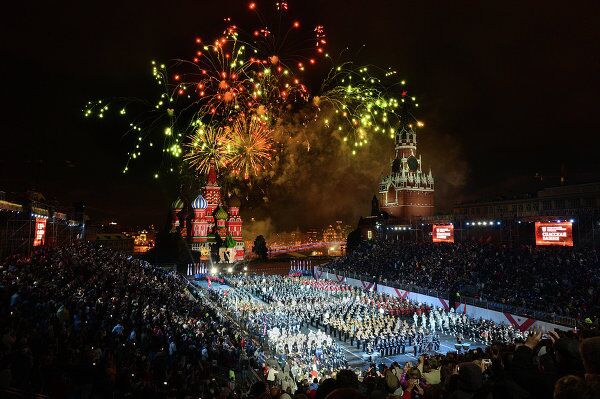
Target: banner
40, 232
442, 233
554, 233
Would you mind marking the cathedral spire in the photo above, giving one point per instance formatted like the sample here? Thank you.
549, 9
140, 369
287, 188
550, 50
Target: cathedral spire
212, 174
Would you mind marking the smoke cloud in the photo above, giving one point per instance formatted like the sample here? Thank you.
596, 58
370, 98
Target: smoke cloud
444, 155
253, 228
318, 180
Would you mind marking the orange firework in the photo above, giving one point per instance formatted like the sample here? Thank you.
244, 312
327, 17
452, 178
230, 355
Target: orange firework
252, 148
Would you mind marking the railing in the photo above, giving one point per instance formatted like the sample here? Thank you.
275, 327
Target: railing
379, 280
535, 314
521, 311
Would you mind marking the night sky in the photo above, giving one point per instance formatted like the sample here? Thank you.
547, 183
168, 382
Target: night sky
507, 90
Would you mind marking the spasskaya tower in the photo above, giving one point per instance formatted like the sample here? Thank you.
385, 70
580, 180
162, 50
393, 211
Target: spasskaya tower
407, 192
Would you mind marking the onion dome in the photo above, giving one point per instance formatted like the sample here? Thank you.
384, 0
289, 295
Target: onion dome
199, 202
177, 204
229, 241
221, 214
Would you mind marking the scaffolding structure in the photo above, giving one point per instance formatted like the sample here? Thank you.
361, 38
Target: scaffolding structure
19, 224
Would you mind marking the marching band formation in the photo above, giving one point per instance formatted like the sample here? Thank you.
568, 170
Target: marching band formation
302, 318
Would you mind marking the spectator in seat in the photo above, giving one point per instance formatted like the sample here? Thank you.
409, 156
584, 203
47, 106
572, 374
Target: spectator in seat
570, 387
590, 354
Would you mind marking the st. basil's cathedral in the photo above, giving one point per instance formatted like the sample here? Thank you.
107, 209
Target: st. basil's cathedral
209, 218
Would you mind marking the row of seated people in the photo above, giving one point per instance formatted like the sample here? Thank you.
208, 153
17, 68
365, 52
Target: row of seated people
84, 321
533, 278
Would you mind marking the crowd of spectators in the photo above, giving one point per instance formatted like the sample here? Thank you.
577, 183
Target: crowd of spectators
562, 281
560, 366
85, 322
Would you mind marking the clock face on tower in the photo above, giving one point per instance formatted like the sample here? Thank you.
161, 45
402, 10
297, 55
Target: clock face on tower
413, 163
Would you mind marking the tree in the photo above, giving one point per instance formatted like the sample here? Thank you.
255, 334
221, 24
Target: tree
260, 247
170, 248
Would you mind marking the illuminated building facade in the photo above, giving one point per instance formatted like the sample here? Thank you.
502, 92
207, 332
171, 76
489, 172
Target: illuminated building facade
407, 192
208, 217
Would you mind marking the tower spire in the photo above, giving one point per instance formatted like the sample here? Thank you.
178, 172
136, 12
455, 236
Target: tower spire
406, 136
405, 115
407, 192
212, 174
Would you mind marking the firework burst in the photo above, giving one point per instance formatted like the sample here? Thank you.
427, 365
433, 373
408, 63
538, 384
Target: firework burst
253, 70
286, 51
252, 148
227, 103
361, 102
206, 145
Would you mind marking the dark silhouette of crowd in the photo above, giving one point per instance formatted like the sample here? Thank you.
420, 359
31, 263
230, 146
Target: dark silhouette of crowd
562, 281
86, 322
